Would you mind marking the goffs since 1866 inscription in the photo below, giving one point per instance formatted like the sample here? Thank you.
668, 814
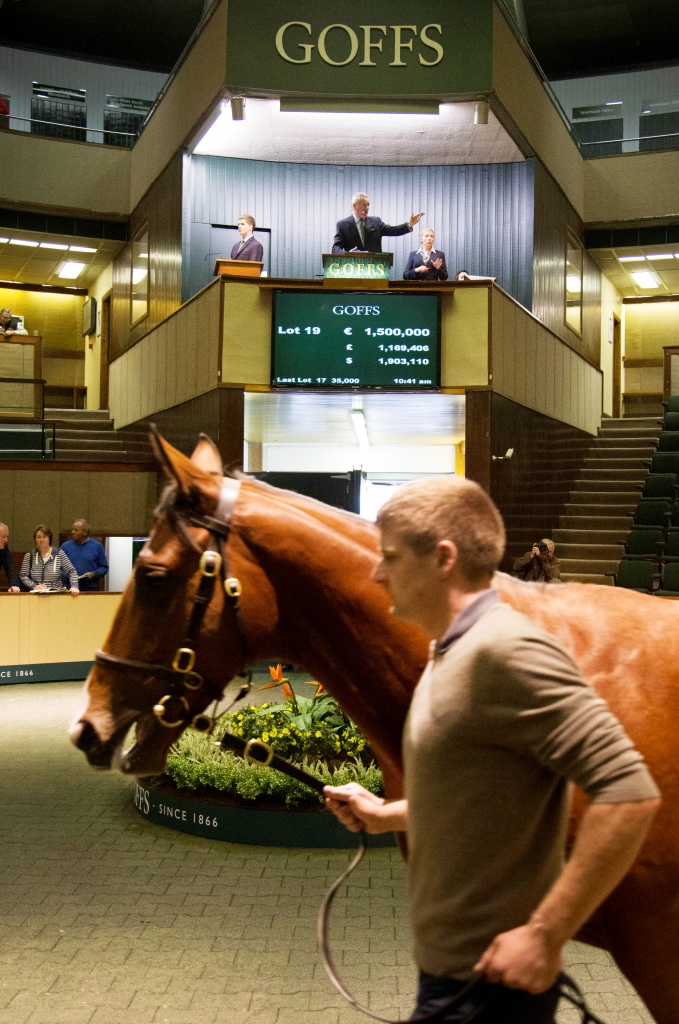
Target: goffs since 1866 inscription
365, 48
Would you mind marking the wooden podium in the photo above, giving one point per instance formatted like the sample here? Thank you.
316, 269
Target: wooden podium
357, 269
237, 268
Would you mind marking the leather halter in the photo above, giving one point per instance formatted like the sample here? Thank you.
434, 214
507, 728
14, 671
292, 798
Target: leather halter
181, 673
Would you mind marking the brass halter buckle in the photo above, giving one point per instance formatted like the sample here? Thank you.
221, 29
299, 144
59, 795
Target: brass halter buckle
210, 563
233, 587
258, 752
184, 660
159, 711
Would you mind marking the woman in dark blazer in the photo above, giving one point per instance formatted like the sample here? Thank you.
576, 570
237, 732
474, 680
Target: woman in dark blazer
428, 263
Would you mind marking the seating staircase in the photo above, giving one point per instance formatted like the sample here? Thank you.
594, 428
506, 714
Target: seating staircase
88, 435
589, 538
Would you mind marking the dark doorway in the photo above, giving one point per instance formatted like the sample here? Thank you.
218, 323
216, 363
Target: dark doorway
617, 367
105, 351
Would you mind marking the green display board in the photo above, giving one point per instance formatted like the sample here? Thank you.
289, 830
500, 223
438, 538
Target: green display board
344, 340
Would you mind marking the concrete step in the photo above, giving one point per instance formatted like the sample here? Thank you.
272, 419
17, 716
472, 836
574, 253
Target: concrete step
81, 426
581, 577
578, 521
628, 421
651, 431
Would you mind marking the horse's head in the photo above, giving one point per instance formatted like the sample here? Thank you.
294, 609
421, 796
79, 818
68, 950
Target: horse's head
176, 632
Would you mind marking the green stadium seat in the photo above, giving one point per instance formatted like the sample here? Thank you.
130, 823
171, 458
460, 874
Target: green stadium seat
671, 547
633, 574
669, 586
668, 441
661, 485
671, 421
665, 462
653, 512
646, 544
672, 404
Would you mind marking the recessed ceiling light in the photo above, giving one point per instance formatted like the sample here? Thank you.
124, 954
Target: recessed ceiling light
22, 241
138, 274
660, 256
81, 248
573, 283
645, 279
52, 245
71, 269
630, 259
3, 240
143, 256
614, 103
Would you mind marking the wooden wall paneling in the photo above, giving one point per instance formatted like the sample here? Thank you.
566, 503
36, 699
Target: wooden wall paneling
161, 207
170, 361
540, 370
189, 340
553, 215
550, 373
182, 424
532, 488
477, 437
231, 435
532, 341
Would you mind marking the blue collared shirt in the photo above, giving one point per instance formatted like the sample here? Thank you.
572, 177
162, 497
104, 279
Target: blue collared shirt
87, 557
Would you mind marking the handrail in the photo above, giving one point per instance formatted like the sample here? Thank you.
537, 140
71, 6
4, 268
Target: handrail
179, 62
75, 127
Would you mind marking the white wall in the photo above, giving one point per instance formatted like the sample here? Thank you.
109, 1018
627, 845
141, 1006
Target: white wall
320, 458
101, 287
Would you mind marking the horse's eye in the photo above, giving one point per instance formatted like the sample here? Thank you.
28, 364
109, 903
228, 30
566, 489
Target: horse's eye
152, 575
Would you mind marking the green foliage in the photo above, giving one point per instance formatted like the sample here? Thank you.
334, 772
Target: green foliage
312, 732
195, 763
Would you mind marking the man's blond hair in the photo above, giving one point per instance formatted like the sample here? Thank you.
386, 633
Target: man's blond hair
4, 528
425, 512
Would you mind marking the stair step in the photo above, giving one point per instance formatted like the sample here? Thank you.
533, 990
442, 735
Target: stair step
632, 444
594, 485
589, 536
640, 462
585, 497
89, 444
581, 577
600, 551
628, 475
94, 455
575, 521
595, 566
76, 414
65, 434
80, 426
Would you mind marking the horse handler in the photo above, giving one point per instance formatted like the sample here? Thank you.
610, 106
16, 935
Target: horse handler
500, 723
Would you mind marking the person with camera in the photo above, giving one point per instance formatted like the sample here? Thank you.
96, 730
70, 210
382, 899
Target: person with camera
539, 564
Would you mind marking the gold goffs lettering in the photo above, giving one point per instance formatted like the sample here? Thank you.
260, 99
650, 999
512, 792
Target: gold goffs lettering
400, 43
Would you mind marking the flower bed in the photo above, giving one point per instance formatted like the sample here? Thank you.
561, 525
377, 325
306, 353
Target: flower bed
210, 792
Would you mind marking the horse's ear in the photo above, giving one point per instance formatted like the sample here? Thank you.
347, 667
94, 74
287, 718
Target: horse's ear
177, 466
206, 456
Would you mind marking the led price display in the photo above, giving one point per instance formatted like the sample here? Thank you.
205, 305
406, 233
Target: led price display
355, 339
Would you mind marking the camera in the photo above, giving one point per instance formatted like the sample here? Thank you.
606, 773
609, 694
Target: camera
542, 548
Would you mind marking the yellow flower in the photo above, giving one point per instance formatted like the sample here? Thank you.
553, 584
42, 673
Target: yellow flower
318, 733
265, 737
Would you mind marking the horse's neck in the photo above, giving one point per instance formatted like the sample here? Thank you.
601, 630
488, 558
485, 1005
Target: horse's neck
331, 618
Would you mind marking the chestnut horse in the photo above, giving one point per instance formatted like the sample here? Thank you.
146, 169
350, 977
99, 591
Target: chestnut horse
307, 597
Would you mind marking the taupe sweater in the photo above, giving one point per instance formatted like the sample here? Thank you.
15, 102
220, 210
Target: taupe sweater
500, 720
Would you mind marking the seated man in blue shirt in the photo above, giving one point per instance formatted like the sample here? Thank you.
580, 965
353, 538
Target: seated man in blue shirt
87, 556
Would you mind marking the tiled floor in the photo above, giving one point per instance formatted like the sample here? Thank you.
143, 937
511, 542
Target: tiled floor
106, 918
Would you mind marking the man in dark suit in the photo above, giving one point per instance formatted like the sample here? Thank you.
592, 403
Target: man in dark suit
248, 248
361, 233
6, 561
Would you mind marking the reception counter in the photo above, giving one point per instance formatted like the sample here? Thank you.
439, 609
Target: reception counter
50, 637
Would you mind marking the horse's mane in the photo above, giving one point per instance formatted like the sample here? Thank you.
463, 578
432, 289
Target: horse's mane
179, 508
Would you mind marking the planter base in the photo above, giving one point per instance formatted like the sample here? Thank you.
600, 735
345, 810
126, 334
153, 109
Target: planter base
256, 827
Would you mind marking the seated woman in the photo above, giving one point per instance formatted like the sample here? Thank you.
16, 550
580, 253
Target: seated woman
428, 263
41, 568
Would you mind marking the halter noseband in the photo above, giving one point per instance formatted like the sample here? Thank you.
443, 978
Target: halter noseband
213, 564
